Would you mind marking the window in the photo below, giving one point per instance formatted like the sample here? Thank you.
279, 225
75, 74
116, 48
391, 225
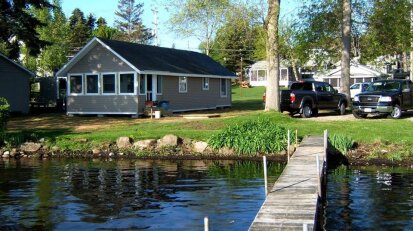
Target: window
205, 83
159, 85
127, 83
142, 84
262, 75
92, 84
108, 83
183, 84
283, 74
224, 88
75, 84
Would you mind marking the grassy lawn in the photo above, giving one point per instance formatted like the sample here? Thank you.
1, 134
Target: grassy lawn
64, 131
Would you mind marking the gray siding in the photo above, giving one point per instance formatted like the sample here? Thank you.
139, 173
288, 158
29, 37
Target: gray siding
195, 98
109, 104
14, 86
99, 59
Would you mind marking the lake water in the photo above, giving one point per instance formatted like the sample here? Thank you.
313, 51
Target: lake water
130, 195
369, 198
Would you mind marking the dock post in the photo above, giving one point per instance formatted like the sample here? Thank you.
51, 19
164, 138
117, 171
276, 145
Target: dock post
325, 143
288, 146
264, 159
206, 224
318, 176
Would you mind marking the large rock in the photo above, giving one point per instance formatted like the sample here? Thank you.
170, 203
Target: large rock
168, 140
30, 147
144, 144
200, 146
123, 142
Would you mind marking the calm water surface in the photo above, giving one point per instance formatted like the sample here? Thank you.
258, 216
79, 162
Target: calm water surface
130, 195
369, 198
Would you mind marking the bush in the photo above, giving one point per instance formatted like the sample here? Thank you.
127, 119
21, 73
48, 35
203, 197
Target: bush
341, 143
4, 113
252, 137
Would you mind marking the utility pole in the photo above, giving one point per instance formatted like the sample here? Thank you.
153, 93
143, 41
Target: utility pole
155, 25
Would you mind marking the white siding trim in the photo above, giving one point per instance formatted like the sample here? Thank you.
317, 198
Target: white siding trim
153, 72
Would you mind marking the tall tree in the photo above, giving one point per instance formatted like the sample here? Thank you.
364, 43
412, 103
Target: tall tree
81, 29
346, 49
198, 18
104, 31
130, 24
272, 101
234, 42
17, 24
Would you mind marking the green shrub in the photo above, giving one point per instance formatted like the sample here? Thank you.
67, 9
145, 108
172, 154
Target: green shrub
341, 143
251, 137
4, 113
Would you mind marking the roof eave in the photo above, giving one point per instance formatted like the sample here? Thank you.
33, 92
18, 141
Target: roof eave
18, 65
154, 72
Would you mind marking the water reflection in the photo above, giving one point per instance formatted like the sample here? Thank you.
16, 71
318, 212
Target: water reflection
155, 195
369, 198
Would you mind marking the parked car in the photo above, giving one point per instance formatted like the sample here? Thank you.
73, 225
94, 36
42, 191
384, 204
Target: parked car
307, 97
389, 97
358, 88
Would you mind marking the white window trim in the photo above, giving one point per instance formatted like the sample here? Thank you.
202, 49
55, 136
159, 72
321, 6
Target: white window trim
85, 82
179, 82
101, 82
203, 85
161, 79
69, 85
226, 88
139, 84
134, 83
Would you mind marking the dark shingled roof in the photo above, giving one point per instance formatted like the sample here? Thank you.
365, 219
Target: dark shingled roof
152, 58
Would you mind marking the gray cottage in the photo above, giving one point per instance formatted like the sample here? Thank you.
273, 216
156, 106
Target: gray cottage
15, 84
115, 77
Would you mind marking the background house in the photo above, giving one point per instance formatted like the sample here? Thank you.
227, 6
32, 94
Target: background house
15, 84
258, 72
359, 73
114, 77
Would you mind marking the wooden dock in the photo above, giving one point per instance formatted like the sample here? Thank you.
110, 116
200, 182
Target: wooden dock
292, 202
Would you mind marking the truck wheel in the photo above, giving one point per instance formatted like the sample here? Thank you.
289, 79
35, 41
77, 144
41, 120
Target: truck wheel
396, 113
342, 109
307, 111
359, 115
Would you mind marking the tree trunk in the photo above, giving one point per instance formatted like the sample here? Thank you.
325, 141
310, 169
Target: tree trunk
346, 48
411, 42
297, 75
272, 101
404, 61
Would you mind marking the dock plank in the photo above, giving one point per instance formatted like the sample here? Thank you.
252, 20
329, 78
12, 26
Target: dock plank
293, 200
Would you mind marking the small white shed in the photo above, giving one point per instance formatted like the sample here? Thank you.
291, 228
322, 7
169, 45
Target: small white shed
359, 73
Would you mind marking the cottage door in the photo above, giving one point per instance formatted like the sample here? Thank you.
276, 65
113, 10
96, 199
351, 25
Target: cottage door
149, 88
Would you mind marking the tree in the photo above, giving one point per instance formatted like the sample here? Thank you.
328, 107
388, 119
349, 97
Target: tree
346, 48
81, 29
104, 31
234, 42
388, 30
130, 24
198, 18
17, 24
272, 101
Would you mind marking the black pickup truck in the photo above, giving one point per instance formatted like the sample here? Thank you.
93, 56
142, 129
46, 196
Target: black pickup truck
388, 97
307, 97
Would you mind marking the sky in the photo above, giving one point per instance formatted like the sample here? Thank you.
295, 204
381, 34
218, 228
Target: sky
107, 8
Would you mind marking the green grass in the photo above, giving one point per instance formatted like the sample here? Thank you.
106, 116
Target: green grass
247, 105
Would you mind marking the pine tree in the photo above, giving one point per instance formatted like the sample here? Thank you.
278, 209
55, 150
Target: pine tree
129, 22
104, 31
17, 24
81, 29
